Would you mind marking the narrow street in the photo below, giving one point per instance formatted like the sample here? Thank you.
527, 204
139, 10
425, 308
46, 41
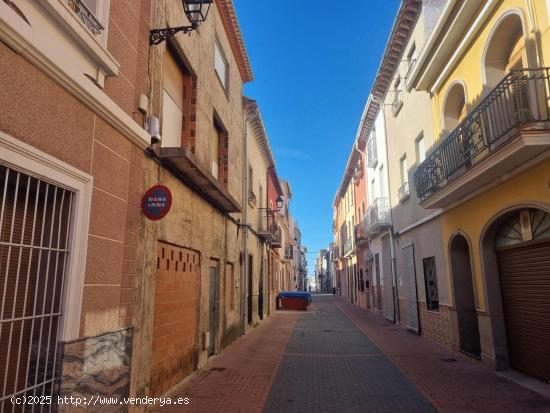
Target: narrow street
340, 358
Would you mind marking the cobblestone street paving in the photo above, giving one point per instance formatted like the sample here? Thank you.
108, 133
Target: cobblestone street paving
340, 358
329, 365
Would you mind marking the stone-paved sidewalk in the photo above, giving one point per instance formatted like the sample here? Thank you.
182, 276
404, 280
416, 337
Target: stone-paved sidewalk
464, 385
240, 378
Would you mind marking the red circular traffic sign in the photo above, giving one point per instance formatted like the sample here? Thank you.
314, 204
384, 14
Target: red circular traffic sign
156, 202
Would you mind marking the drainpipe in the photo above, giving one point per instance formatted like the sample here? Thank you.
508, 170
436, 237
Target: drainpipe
392, 241
244, 226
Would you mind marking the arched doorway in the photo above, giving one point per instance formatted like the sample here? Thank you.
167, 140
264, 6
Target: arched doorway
465, 303
521, 251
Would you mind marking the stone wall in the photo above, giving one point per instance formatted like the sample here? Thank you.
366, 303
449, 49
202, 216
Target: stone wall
439, 326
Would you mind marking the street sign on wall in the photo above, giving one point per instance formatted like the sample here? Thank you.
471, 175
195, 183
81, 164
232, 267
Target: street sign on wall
156, 202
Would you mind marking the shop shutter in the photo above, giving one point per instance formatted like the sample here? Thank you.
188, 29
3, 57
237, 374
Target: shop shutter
525, 282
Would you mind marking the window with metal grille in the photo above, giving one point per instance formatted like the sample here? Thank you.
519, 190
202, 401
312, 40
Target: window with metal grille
430, 281
34, 244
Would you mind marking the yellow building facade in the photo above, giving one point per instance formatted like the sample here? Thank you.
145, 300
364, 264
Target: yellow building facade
488, 175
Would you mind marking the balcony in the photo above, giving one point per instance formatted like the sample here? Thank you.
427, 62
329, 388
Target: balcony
507, 129
378, 216
184, 165
268, 230
372, 157
403, 192
361, 232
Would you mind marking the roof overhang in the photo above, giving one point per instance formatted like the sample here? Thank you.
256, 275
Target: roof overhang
402, 27
182, 163
230, 23
254, 117
458, 25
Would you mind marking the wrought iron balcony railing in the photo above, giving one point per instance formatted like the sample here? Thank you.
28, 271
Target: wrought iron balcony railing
372, 157
86, 16
403, 191
378, 215
519, 102
268, 228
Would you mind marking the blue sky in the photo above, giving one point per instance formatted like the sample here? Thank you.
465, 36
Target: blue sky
314, 62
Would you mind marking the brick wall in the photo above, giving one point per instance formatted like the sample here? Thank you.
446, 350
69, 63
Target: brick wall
176, 316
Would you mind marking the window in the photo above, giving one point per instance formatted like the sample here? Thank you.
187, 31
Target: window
404, 169
420, 149
251, 195
214, 152
220, 66
430, 281
411, 56
92, 13
411, 59
381, 188
250, 179
178, 103
36, 245
397, 96
172, 103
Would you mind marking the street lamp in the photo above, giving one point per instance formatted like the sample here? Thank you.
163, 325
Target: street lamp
196, 12
280, 202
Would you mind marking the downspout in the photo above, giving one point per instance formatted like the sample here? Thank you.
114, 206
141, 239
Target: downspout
392, 247
244, 226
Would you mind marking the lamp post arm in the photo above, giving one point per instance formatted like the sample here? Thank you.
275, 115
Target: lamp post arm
157, 36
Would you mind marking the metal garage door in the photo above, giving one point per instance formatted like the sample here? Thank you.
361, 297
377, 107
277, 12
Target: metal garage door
525, 282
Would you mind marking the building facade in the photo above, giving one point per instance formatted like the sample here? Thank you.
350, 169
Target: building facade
99, 131
457, 142
489, 101
422, 283
73, 167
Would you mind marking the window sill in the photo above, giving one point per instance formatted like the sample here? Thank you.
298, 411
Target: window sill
80, 34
